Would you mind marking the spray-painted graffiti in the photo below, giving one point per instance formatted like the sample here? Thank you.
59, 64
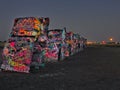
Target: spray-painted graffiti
30, 43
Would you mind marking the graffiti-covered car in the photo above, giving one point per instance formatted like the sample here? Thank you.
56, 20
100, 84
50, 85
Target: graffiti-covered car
74, 42
57, 42
70, 41
21, 49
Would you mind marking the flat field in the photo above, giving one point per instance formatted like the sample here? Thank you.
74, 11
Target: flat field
95, 68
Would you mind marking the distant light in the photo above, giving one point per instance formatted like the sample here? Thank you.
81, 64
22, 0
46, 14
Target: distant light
111, 39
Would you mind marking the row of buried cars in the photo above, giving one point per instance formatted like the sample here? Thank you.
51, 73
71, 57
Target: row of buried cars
31, 44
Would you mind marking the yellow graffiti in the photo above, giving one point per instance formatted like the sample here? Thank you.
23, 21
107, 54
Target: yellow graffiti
13, 63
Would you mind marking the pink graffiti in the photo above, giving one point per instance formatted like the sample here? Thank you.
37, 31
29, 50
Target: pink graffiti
21, 68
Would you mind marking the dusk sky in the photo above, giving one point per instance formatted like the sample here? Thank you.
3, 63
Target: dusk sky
96, 20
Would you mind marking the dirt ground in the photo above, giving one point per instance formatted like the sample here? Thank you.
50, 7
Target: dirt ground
95, 68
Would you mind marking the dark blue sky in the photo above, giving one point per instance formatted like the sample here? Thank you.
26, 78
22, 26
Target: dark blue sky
96, 20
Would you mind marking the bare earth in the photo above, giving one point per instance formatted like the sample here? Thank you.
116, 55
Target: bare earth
95, 68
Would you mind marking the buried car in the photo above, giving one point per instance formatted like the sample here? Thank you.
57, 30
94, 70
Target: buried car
19, 52
57, 43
